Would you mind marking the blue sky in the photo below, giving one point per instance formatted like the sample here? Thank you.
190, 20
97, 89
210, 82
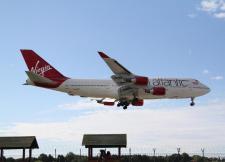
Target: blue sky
154, 38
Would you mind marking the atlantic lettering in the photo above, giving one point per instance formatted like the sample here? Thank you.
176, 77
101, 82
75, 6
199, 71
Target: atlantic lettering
169, 82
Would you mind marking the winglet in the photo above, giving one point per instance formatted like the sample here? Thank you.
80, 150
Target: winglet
103, 55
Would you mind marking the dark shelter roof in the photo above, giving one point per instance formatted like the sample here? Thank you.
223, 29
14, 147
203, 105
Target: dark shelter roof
18, 142
104, 140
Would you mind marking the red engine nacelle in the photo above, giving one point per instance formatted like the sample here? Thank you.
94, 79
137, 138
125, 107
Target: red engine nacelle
159, 91
138, 102
108, 103
140, 80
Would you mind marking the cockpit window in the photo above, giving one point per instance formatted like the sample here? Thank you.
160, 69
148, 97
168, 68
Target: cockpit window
195, 82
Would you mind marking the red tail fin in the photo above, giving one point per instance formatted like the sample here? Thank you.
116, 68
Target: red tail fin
39, 66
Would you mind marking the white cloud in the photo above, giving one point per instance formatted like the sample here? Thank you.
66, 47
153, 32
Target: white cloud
220, 15
192, 15
191, 128
209, 5
81, 105
215, 8
205, 71
217, 77
223, 7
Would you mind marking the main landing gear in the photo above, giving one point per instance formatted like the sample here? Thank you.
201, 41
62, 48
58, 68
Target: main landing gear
125, 104
192, 101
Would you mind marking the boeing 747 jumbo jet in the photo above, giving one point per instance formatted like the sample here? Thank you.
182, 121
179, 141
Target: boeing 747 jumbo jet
124, 87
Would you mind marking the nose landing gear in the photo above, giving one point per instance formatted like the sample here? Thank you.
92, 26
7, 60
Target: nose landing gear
192, 102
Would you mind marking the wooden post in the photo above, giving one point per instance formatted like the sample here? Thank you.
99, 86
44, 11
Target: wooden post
30, 155
89, 152
119, 152
24, 152
2, 156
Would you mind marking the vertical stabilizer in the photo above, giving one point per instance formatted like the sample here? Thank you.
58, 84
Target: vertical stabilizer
40, 67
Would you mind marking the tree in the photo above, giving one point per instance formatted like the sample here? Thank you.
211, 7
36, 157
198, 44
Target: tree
10, 159
185, 157
43, 157
50, 158
61, 158
197, 158
71, 157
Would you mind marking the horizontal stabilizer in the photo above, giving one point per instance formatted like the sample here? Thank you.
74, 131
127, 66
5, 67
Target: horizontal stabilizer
39, 79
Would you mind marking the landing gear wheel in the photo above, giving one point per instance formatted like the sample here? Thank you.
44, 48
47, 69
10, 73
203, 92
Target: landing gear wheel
192, 102
125, 104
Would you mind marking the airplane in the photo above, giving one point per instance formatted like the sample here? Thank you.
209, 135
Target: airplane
124, 87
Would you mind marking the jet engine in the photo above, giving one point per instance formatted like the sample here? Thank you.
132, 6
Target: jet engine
108, 103
138, 102
140, 80
158, 91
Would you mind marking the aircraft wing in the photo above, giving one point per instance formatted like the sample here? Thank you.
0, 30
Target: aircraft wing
122, 75
115, 66
128, 82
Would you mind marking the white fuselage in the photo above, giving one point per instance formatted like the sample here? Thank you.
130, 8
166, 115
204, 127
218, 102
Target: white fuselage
175, 88
125, 87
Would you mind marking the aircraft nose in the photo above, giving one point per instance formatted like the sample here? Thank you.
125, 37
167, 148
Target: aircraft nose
207, 89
